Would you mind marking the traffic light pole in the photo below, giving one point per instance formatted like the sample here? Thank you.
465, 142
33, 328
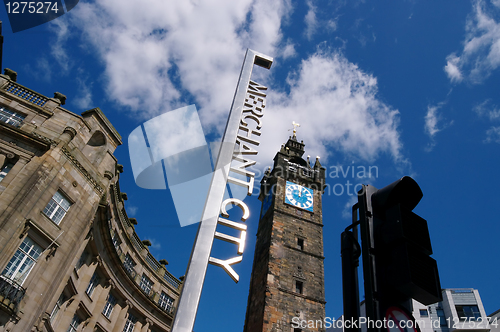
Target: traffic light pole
350, 252
372, 305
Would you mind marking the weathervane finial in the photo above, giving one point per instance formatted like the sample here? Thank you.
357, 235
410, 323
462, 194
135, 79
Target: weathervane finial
295, 125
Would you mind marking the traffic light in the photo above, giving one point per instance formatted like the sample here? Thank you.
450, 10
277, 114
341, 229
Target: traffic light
402, 247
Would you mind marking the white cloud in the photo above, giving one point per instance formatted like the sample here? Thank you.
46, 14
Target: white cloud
486, 109
432, 120
156, 53
481, 52
493, 135
289, 51
84, 98
132, 210
336, 105
452, 69
160, 54
61, 29
310, 20
333, 24
491, 112
155, 245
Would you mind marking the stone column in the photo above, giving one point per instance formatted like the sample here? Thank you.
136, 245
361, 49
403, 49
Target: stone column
99, 306
66, 137
89, 272
2, 160
106, 179
122, 317
67, 315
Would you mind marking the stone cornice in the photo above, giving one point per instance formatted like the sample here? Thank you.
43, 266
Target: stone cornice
82, 170
37, 140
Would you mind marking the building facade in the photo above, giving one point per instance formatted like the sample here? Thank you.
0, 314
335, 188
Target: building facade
288, 276
70, 259
460, 310
495, 321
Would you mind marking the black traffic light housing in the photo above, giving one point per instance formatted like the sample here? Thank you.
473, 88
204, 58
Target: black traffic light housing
404, 268
396, 249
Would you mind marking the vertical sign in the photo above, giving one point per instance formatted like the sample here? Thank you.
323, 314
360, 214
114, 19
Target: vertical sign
200, 256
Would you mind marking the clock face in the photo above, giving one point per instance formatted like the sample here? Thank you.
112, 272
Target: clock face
299, 196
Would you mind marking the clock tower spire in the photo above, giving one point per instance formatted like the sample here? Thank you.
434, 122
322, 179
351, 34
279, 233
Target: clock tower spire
287, 283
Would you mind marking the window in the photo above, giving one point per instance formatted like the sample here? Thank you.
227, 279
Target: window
468, 311
57, 307
11, 117
146, 284
108, 307
23, 261
129, 264
300, 244
299, 286
94, 281
57, 207
441, 317
166, 302
116, 240
5, 169
129, 324
424, 313
74, 324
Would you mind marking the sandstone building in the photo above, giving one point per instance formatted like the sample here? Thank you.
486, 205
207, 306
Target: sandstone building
70, 259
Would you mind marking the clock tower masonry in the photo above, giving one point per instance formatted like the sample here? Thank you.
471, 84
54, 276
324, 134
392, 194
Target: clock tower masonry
287, 282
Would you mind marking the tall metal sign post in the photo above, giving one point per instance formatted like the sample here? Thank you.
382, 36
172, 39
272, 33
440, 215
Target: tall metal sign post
248, 105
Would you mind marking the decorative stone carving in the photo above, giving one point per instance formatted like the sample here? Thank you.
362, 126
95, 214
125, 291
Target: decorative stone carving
99, 260
108, 175
82, 169
51, 252
59, 96
11, 74
45, 139
25, 229
70, 131
111, 284
129, 304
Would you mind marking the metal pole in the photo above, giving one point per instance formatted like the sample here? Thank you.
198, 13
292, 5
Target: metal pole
367, 242
1, 47
195, 276
350, 252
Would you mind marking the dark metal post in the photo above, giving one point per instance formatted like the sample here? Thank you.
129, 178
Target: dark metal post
367, 242
1, 47
350, 252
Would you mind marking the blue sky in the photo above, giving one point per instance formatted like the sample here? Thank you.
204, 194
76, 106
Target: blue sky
408, 87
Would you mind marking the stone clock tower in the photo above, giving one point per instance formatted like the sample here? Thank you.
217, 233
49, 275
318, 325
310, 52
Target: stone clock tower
287, 283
